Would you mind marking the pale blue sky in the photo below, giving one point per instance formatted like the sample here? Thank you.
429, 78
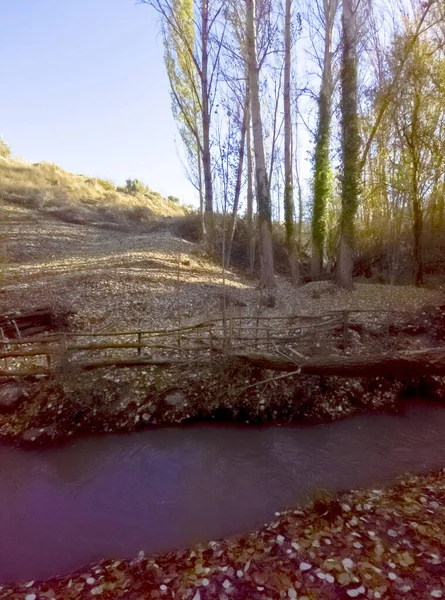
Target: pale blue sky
83, 85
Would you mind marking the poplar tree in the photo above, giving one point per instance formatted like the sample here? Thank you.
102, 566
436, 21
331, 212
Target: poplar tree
262, 186
187, 41
289, 208
322, 184
350, 147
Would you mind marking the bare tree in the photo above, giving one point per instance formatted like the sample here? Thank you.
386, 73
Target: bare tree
289, 208
262, 187
249, 210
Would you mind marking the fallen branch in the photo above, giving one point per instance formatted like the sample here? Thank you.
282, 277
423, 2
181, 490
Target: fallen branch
422, 362
133, 362
270, 380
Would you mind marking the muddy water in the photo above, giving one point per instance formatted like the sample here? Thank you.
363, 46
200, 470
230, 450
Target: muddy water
165, 488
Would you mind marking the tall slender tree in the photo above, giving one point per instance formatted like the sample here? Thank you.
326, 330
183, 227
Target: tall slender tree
239, 174
235, 75
322, 186
191, 71
206, 118
289, 207
262, 188
249, 210
350, 146
179, 39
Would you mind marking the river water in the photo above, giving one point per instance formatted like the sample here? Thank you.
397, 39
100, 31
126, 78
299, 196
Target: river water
111, 496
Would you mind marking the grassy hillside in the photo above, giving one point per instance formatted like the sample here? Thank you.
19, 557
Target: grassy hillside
49, 189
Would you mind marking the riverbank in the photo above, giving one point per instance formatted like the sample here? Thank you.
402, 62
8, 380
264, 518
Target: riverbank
155, 280
375, 543
55, 410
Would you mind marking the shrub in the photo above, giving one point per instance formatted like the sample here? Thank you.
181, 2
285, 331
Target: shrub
174, 199
5, 150
134, 186
239, 257
138, 213
187, 227
325, 507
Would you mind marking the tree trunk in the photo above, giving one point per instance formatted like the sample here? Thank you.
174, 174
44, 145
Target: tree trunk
322, 184
250, 227
300, 199
262, 188
206, 157
289, 208
239, 175
322, 167
201, 197
413, 145
417, 233
423, 362
274, 136
350, 147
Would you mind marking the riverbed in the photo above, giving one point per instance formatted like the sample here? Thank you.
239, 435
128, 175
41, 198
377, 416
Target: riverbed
159, 489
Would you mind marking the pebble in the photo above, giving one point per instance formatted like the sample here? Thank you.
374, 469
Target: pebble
226, 584
90, 580
96, 591
356, 592
405, 589
305, 566
392, 533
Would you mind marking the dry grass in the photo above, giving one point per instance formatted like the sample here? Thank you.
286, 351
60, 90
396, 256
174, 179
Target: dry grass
76, 198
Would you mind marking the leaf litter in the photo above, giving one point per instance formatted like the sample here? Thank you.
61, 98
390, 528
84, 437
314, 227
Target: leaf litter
315, 557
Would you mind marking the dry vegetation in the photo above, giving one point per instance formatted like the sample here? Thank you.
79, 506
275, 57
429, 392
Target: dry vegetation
76, 198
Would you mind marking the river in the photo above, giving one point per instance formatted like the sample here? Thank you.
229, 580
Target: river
112, 496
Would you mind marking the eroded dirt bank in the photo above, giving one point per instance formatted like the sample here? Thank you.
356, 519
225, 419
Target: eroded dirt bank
48, 411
